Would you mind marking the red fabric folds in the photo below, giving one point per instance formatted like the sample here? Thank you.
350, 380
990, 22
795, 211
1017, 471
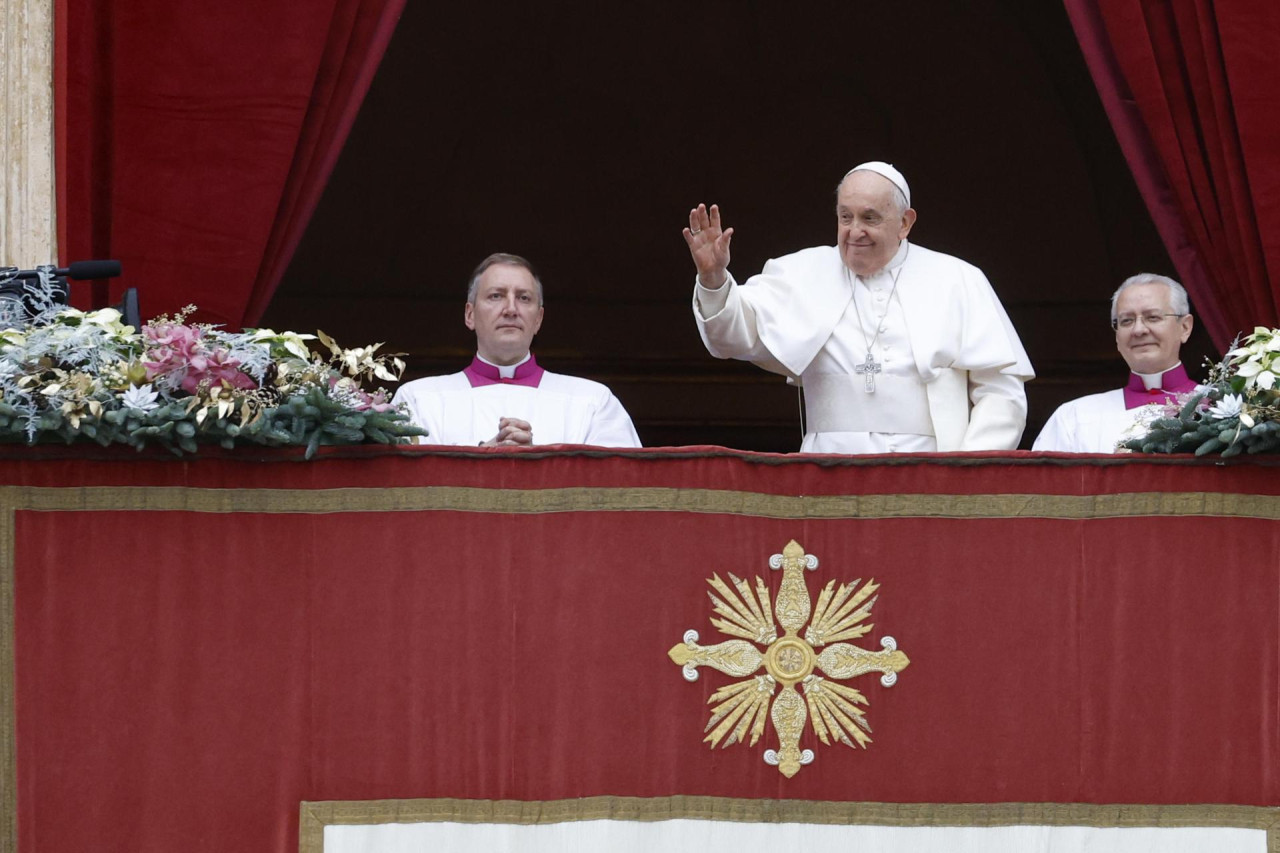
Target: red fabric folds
198, 138
1188, 88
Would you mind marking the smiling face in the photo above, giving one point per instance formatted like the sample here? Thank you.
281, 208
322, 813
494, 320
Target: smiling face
870, 226
1150, 347
505, 314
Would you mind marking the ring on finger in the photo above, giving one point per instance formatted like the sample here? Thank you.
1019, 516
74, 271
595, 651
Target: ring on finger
691, 231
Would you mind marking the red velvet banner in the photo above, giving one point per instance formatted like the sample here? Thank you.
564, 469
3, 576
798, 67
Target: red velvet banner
198, 653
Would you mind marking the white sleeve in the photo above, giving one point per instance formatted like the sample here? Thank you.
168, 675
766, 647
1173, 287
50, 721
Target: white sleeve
999, 412
611, 426
708, 303
1058, 433
998, 368
727, 325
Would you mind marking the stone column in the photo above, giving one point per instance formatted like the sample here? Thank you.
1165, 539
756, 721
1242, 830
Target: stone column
28, 196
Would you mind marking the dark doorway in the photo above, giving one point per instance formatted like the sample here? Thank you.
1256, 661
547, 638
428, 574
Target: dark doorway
579, 135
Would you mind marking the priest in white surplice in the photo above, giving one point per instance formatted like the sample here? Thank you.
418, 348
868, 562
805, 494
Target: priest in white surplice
1152, 320
898, 348
504, 398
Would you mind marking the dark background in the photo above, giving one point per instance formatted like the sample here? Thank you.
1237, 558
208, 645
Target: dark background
579, 136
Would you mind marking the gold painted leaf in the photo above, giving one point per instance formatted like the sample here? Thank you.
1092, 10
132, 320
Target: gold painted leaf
329, 342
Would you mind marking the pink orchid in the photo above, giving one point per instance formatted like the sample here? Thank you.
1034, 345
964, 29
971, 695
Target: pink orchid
171, 348
179, 337
215, 368
160, 361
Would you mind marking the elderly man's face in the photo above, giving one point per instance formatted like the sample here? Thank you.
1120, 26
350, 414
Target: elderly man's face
870, 227
1150, 346
506, 314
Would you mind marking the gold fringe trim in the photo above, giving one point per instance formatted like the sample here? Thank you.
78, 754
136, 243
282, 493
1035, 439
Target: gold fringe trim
655, 499
315, 816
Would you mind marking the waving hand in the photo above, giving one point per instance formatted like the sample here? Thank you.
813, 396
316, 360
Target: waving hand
708, 245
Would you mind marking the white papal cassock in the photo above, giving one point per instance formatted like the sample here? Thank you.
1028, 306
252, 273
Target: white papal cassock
951, 367
465, 407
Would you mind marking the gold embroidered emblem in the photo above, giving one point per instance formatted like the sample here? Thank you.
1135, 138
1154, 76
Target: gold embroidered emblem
740, 708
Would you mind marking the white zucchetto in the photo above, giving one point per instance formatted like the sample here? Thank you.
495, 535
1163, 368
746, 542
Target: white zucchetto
885, 170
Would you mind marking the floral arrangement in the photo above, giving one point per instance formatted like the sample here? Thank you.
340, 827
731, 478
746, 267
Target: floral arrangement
72, 375
1237, 410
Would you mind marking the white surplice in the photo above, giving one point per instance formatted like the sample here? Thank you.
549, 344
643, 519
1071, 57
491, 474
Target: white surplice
1093, 424
944, 328
561, 410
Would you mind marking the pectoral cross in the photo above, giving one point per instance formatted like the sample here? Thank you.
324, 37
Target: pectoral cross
868, 369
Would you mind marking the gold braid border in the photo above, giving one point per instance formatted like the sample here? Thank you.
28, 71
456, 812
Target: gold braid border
315, 816
533, 501
650, 499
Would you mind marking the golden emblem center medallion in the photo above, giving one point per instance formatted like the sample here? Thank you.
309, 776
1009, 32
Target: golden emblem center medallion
739, 710
789, 660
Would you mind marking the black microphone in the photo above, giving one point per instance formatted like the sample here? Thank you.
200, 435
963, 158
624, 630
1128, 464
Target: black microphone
79, 270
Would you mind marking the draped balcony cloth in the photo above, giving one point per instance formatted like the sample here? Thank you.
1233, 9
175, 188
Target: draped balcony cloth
244, 651
1190, 90
194, 139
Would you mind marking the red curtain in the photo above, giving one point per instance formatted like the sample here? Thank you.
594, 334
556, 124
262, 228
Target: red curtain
195, 138
1189, 88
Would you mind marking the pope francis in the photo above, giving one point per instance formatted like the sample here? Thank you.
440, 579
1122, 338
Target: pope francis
898, 348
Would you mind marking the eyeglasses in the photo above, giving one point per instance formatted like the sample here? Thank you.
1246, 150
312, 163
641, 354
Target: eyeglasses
1151, 321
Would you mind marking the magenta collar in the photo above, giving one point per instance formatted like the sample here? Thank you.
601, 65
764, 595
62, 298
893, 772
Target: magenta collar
528, 374
1173, 382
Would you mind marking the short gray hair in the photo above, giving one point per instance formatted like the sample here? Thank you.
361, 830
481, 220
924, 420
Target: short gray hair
1177, 294
507, 260
899, 200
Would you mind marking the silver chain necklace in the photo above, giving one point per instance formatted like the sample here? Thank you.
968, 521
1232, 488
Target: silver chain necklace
870, 367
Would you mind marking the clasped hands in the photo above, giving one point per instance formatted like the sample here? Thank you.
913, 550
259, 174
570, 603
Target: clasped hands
709, 245
512, 432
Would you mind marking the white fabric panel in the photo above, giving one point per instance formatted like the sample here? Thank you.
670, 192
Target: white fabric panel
699, 836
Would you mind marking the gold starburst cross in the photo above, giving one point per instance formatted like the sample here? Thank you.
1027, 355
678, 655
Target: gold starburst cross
740, 708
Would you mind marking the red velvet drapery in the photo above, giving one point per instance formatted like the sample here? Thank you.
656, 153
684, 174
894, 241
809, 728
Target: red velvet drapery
1189, 87
195, 138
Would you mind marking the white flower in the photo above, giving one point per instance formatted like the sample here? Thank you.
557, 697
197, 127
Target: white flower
1250, 368
108, 318
143, 399
292, 342
1228, 407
